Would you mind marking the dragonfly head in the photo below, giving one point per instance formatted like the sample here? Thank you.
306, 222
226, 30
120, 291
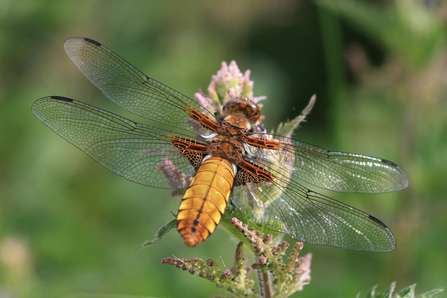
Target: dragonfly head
242, 105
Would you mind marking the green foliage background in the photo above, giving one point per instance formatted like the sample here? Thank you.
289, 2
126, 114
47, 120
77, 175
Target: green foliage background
68, 226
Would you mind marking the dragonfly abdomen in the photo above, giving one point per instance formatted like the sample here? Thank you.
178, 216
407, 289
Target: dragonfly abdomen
205, 200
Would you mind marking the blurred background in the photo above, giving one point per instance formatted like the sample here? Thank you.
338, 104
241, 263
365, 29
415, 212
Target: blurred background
379, 69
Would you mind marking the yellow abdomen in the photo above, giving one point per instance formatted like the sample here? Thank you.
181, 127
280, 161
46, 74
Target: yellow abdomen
205, 200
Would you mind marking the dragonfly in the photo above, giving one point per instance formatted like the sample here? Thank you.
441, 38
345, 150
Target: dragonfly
228, 156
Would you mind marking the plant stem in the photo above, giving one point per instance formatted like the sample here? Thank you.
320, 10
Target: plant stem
265, 284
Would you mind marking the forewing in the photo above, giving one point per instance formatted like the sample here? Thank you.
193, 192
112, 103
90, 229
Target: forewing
127, 148
130, 88
307, 216
333, 170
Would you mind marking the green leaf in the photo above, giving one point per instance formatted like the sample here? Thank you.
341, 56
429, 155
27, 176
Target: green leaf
162, 232
408, 292
431, 294
371, 293
389, 292
286, 128
231, 212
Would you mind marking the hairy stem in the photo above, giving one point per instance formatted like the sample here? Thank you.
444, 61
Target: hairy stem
265, 284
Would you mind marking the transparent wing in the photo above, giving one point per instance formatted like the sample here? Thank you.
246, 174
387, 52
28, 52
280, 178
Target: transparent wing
333, 170
288, 207
130, 88
127, 148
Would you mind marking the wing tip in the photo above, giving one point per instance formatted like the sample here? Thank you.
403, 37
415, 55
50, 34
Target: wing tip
376, 220
403, 177
41, 100
61, 98
74, 40
389, 162
402, 182
390, 236
94, 42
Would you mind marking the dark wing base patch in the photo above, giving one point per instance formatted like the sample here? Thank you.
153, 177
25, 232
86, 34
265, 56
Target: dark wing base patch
191, 149
251, 173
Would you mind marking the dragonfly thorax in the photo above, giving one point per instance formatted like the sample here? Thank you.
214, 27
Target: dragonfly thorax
228, 142
239, 115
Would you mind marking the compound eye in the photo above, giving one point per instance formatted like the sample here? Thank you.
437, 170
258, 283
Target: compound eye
254, 112
228, 107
